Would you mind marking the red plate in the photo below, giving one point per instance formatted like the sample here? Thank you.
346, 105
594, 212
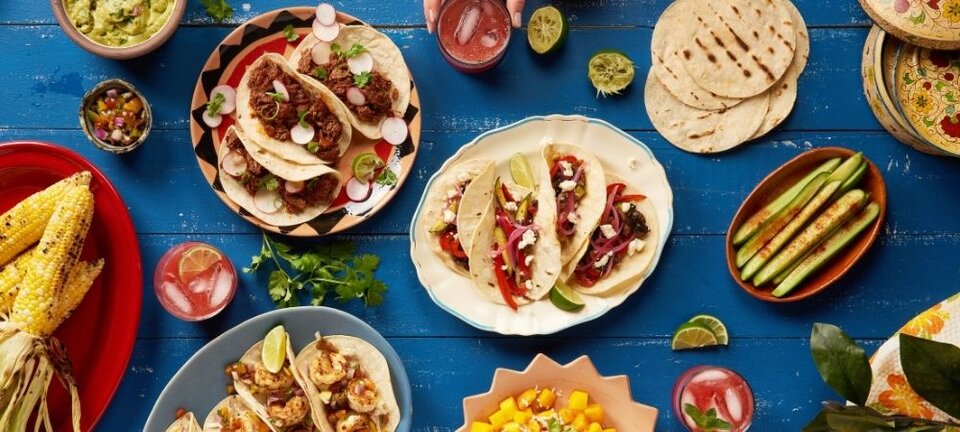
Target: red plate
100, 335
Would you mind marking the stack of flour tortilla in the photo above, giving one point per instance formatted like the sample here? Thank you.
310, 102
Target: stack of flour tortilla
724, 71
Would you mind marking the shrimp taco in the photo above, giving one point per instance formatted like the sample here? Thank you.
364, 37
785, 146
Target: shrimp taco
233, 415
577, 192
274, 190
515, 255
185, 423
455, 204
278, 398
366, 71
291, 115
622, 246
348, 381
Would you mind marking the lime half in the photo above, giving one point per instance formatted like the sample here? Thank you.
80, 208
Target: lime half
365, 165
274, 350
715, 325
521, 172
693, 335
546, 30
565, 298
610, 71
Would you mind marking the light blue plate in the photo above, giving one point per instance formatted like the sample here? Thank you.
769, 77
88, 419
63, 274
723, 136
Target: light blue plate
201, 382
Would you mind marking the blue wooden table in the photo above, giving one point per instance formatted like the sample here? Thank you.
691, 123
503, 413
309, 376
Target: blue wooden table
915, 263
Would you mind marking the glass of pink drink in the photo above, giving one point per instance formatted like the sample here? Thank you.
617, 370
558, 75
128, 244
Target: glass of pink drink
710, 387
194, 281
473, 34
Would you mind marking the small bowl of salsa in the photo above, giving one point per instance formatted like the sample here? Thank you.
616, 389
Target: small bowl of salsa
473, 34
115, 117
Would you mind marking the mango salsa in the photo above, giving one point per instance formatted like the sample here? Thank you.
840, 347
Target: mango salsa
537, 409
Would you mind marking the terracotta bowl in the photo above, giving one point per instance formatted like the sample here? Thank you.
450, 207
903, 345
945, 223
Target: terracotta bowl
613, 393
781, 179
119, 53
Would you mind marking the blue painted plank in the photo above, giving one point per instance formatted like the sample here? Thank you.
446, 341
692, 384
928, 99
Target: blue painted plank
52, 86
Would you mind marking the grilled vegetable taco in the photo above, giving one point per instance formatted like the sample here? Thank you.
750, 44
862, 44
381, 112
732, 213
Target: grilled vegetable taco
364, 69
454, 207
515, 255
274, 190
185, 423
349, 382
622, 246
280, 398
290, 115
577, 191
233, 415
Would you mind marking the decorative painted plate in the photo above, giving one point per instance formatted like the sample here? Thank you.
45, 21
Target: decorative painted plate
928, 23
201, 383
622, 155
226, 65
100, 335
926, 87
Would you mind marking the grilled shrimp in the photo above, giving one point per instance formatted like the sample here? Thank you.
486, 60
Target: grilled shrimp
289, 413
355, 423
362, 394
272, 381
327, 368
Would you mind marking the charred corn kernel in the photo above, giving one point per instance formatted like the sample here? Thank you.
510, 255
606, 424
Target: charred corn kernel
525, 400
499, 418
78, 284
566, 415
10, 276
594, 413
51, 263
578, 400
522, 417
509, 406
546, 398
580, 423
594, 427
481, 427
533, 426
22, 225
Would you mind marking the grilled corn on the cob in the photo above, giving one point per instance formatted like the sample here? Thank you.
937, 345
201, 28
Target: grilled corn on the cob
10, 276
78, 283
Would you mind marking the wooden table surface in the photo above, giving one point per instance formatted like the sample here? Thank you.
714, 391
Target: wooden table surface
915, 264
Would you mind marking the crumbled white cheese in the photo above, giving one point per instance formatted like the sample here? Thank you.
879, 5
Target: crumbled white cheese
452, 193
326, 395
625, 207
528, 260
635, 246
547, 140
528, 284
567, 185
449, 216
567, 168
633, 163
602, 262
456, 236
510, 206
608, 231
573, 217
527, 239
504, 267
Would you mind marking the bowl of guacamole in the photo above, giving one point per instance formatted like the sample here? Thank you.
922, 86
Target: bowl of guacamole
119, 29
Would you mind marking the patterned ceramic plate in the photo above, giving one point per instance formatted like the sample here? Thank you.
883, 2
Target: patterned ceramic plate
926, 88
622, 155
929, 23
226, 65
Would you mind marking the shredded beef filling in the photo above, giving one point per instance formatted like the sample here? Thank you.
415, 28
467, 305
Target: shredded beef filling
379, 91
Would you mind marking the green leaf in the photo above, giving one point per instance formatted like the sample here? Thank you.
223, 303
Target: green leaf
278, 287
290, 33
268, 182
841, 362
219, 10
302, 119
836, 417
933, 370
215, 104
321, 73
362, 79
313, 146
387, 177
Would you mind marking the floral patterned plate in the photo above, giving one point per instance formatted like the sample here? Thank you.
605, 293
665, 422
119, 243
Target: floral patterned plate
926, 88
928, 23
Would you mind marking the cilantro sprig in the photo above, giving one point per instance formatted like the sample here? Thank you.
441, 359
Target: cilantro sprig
277, 96
268, 182
330, 267
362, 79
302, 119
354, 50
219, 10
215, 104
290, 33
387, 177
708, 421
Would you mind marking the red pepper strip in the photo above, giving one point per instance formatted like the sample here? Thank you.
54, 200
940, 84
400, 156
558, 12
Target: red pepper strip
506, 192
625, 198
522, 266
456, 249
556, 164
445, 242
613, 188
505, 283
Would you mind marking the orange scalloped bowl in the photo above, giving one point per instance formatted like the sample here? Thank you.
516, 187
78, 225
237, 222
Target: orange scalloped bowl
612, 393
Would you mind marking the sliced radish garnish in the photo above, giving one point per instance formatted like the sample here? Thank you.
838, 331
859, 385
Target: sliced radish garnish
361, 63
267, 201
394, 130
293, 186
281, 90
229, 98
234, 164
355, 96
326, 32
326, 14
320, 53
300, 134
358, 191
212, 120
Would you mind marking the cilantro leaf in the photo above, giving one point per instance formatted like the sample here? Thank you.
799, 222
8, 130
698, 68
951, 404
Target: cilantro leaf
219, 10
387, 177
290, 33
302, 119
313, 146
321, 73
215, 104
362, 79
355, 50
268, 182
336, 49
277, 96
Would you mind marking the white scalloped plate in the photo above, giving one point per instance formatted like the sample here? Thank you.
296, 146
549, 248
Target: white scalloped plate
619, 152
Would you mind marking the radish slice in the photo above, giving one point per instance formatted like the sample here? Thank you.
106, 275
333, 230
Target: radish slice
358, 191
293, 186
234, 164
320, 53
229, 98
212, 120
282, 90
394, 130
355, 96
363, 62
267, 201
301, 135
326, 32
326, 14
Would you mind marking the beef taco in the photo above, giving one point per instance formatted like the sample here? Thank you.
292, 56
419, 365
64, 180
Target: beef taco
290, 115
577, 192
274, 190
348, 381
454, 206
233, 415
185, 423
364, 68
515, 255
622, 246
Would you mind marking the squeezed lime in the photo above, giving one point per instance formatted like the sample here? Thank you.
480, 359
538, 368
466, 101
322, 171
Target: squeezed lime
546, 30
610, 71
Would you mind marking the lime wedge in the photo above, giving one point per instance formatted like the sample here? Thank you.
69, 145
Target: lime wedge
565, 298
715, 325
365, 165
546, 30
274, 350
693, 335
610, 71
521, 172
